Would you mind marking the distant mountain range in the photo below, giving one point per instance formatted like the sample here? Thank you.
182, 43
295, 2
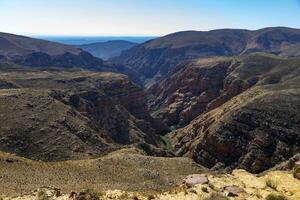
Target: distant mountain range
79, 40
32, 52
109, 49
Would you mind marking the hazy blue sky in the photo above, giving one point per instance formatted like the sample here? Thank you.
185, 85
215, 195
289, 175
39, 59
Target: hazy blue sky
142, 17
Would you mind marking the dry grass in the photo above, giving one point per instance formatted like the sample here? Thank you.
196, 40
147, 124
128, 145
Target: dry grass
216, 196
271, 183
118, 170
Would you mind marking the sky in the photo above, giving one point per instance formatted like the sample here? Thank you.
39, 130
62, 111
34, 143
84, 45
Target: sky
142, 17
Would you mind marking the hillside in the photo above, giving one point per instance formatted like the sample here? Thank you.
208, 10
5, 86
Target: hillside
252, 123
113, 177
157, 57
107, 50
59, 115
127, 169
201, 85
16, 45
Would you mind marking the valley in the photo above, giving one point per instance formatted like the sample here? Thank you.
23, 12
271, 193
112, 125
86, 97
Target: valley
224, 104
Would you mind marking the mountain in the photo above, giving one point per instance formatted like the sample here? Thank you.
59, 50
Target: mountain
155, 58
109, 49
31, 52
16, 45
71, 114
240, 112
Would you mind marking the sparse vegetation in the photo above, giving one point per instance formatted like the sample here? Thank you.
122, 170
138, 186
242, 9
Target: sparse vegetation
271, 183
151, 197
92, 195
166, 142
211, 186
204, 189
296, 171
276, 197
42, 195
216, 196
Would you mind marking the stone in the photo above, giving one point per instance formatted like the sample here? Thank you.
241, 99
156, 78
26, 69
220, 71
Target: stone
233, 191
195, 179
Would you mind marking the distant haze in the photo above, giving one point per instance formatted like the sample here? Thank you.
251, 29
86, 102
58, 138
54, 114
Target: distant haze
78, 40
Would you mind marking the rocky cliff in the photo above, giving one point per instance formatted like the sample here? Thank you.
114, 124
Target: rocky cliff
253, 130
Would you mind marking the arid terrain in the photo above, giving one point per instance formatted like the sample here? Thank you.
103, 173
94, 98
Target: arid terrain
191, 115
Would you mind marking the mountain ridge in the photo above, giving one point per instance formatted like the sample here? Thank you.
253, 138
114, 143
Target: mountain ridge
108, 49
155, 58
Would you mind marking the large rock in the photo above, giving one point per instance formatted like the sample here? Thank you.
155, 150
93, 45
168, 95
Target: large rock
195, 179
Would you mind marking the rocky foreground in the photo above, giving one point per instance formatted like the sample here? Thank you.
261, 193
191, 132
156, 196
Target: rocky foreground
274, 185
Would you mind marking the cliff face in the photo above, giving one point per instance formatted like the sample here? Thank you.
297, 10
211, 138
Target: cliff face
186, 92
202, 85
58, 115
253, 130
157, 57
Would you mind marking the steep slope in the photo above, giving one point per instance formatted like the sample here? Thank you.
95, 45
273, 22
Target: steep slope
109, 49
58, 115
157, 57
254, 130
201, 85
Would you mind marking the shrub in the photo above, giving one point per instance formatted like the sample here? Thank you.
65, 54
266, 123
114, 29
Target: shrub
92, 195
42, 195
272, 184
211, 186
276, 197
204, 189
296, 171
216, 196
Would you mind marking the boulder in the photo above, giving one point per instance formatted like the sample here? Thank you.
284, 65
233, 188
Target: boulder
233, 191
195, 179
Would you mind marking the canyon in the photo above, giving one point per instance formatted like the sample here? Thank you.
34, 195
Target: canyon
187, 103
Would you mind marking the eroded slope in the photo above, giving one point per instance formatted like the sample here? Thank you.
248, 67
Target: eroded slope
58, 115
